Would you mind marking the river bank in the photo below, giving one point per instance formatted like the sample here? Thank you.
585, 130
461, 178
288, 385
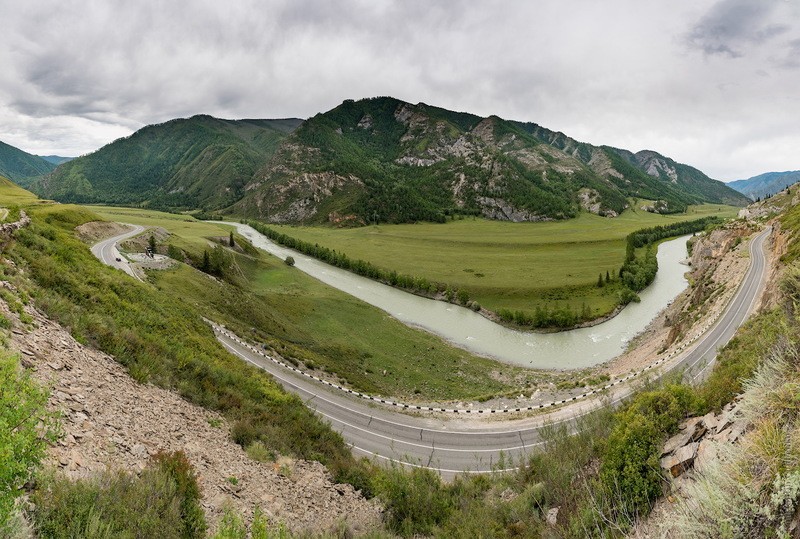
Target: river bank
580, 348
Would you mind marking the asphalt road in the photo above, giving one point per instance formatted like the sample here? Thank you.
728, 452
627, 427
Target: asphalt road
107, 252
452, 444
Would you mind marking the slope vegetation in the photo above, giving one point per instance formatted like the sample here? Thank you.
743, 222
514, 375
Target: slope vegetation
17, 165
199, 162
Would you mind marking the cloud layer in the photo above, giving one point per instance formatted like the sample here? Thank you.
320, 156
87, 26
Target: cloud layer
710, 83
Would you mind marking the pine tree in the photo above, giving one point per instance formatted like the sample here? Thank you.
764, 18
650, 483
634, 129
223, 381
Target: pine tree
230, 240
600, 281
608, 277
206, 265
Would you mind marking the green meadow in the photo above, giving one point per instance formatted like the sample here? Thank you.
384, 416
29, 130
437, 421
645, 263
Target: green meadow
516, 266
316, 325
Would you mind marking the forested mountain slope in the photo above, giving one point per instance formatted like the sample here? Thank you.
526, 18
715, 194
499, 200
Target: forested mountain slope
199, 162
376, 160
17, 165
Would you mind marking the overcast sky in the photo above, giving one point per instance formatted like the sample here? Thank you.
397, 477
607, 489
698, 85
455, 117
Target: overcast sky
712, 83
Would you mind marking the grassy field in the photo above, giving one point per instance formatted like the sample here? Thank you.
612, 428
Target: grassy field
502, 265
316, 324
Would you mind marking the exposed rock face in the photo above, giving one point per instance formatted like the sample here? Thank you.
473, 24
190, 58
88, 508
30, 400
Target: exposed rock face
299, 198
590, 201
681, 460
8, 228
693, 448
499, 209
109, 420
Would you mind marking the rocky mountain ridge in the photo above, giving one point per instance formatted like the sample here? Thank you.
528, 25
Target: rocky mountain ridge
383, 159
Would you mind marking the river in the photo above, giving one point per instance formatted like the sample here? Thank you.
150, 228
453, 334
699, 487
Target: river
574, 349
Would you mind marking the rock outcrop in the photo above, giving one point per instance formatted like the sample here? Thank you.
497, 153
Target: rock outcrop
694, 446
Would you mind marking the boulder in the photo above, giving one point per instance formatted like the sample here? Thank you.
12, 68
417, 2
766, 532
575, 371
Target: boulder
737, 429
552, 516
681, 460
706, 453
710, 421
679, 440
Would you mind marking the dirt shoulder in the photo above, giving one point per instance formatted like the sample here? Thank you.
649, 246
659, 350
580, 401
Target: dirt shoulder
94, 231
111, 421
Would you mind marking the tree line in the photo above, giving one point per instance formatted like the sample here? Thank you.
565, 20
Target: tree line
637, 273
416, 285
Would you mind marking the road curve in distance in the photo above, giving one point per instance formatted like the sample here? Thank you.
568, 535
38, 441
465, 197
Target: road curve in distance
108, 253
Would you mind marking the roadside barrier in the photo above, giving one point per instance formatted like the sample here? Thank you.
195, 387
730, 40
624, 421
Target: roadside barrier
406, 406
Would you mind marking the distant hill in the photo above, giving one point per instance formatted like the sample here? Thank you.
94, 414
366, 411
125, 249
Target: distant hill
56, 159
18, 165
383, 159
198, 162
766, 184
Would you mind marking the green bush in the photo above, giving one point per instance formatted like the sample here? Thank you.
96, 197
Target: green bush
163, 501
416, 501
22, 442
630, 471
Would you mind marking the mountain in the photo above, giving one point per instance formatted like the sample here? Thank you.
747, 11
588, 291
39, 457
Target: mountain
198, 162
383, 159
378, 159
17, 165
651, 165
766, 184
56, 159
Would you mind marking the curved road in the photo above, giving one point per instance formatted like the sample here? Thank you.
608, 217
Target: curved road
455, 445
108, 254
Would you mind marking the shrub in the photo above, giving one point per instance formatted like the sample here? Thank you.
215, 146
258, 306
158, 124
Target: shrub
259, 452
630, 471
416, 501
22, 404
289, 261
162, 502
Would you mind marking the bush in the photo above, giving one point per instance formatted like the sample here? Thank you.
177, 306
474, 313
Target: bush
22, 404
630, 471
259, 452
416, 501
289, 261
162, 502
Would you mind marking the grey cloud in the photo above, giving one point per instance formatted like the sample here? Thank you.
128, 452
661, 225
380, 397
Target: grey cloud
79, 73
730, 26
791, 59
